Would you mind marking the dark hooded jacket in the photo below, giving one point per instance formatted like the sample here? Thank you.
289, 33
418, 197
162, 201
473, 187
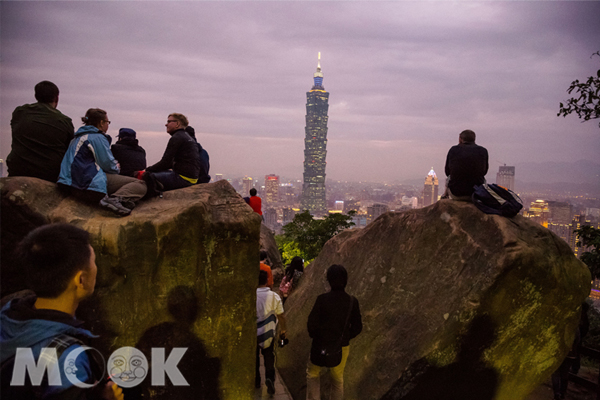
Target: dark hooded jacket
130, 155
181, 155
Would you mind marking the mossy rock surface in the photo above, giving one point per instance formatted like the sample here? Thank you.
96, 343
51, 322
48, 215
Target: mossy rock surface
180, 271
455, 304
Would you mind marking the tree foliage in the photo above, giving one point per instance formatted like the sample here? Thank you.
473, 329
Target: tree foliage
306, 236
586, 103
590, 237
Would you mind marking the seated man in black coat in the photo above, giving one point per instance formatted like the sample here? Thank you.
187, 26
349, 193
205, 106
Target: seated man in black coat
180, 165
130, 155
466, 166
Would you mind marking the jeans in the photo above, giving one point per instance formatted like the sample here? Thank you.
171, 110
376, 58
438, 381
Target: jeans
313, 382
171, 180
269, 357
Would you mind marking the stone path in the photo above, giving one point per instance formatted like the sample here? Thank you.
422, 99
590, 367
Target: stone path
281, 392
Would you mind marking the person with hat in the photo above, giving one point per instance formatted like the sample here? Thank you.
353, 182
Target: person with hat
131, 156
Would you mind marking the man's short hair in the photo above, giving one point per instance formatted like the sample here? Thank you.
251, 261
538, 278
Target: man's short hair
263, 255
52, 255
181, 118
467, 136
46, 92
337, 276
263, 278
252, 192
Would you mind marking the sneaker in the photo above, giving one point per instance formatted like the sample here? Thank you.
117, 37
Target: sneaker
270, 386
113, 204
127, 203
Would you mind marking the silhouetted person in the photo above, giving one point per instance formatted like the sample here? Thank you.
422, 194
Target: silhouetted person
469, 378
198, 369
333, 321
203, 176
292, 276
130, 155
40, 136
466, 166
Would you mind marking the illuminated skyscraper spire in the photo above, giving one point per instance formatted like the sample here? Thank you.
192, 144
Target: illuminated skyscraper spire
315, 146
318, 76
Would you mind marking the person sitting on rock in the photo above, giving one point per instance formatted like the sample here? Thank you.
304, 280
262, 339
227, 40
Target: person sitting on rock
180, 164
255, 202
203, 176
40, 136
130, 155
91, 172
333, 321
466, 166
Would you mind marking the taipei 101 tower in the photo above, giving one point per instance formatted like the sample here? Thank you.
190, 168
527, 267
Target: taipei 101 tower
315, 144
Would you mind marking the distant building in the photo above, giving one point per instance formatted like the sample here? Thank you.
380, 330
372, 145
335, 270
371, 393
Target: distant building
218, 177
375, 211
315, 145
1, 168
560, 212
288, 215
430, 192
538, 212
339, 205
506, 177
411, 202
247, 184
271, 189
270, 215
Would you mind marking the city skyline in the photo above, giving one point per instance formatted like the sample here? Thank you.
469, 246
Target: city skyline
407, 78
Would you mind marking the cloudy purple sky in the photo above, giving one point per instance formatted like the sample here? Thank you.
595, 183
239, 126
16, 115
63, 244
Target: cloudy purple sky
404, 77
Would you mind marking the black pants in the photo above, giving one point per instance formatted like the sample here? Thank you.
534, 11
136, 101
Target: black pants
269, 357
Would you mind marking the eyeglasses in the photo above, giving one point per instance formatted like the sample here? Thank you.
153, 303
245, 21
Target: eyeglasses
171, 120
107, 121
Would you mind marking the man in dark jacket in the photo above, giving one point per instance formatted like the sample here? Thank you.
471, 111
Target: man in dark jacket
466, 166
334, 320
61, 269
180, 165
40, 136
130, 155
203, 176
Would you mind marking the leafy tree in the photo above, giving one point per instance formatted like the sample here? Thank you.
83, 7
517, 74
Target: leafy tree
307, 236
590, 237
586, 103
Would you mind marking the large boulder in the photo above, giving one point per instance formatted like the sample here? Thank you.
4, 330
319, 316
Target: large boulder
456, 304
180, 271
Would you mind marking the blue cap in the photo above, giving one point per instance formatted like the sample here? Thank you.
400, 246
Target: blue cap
126, 133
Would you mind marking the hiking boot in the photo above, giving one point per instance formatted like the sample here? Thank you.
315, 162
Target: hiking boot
114, 205
270, 386
127, 203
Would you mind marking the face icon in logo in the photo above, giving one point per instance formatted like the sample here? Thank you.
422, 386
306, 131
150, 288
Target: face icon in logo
127, 367
70, 365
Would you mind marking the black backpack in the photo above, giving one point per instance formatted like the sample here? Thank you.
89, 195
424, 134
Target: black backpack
495, 199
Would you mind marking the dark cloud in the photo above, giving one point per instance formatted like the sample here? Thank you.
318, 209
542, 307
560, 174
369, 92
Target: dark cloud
404, 77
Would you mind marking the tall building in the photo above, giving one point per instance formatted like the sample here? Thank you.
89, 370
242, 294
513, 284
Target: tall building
506, 177
375, 211
218, 177
315, 144
271, 189
430, 192
247, 184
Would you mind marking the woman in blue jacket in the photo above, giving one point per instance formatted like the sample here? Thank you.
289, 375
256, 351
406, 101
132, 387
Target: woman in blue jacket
91, 171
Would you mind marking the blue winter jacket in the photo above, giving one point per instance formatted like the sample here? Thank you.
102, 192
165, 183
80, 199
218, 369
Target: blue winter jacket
87, 161
36, 334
